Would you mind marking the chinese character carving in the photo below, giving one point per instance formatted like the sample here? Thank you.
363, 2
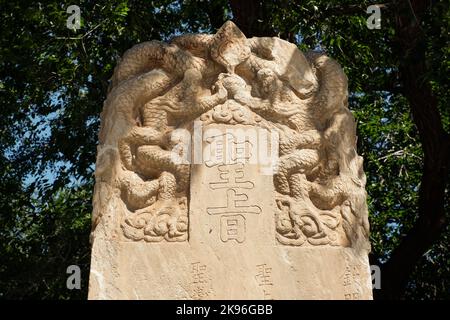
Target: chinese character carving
226, 149
236, 203
229, 159
201, 282
264, 280
232, 227
228, 79
231, 176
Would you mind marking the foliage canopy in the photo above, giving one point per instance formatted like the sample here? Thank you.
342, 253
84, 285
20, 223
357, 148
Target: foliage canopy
53, 81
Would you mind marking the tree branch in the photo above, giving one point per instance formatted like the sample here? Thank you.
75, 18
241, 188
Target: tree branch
212, 9
250, 17
435, 143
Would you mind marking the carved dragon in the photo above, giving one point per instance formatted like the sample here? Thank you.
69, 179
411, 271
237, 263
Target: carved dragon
158, 87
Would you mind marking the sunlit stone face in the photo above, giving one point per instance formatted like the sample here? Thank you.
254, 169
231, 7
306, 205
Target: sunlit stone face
227, 169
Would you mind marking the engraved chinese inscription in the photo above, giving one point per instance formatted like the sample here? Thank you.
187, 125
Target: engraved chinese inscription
201, 286
351, 282
264, 280
229, 160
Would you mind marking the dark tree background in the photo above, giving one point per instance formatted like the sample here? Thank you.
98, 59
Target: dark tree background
53, 82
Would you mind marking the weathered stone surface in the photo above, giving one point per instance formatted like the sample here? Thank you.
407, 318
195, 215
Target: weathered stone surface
227, 169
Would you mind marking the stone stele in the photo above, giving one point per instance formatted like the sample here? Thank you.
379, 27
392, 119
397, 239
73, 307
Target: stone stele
227, 169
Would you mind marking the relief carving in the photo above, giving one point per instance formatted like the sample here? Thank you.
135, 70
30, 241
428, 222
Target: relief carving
229, 79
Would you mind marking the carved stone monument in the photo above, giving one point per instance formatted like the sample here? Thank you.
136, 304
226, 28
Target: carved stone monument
227, 169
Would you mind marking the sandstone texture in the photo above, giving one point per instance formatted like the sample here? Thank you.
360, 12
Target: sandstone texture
227, 169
